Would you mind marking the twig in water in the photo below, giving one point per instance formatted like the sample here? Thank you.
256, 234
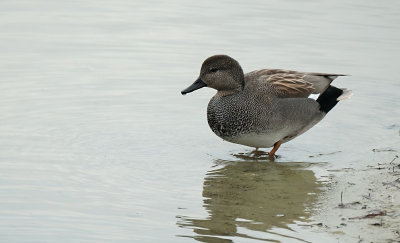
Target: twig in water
395, 157
341, 200
371, 214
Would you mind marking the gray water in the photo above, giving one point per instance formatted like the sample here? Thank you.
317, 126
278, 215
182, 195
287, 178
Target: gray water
98, 145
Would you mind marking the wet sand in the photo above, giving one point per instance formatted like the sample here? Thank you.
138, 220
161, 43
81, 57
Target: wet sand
363, 205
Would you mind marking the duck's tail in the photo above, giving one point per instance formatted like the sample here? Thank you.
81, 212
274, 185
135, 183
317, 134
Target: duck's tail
331, 96
345, 95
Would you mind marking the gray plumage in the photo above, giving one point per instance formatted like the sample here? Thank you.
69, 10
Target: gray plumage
264, 106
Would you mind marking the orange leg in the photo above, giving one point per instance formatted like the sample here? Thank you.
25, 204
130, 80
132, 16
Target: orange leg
275, 148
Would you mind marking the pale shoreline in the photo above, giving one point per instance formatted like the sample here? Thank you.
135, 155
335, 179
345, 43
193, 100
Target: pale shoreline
369, 210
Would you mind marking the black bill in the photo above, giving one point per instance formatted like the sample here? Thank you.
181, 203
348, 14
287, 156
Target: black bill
196, 85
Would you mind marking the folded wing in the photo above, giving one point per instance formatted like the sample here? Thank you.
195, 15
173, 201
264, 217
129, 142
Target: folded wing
292, 84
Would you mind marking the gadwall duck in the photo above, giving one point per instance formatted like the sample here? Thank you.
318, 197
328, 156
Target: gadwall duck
267, 107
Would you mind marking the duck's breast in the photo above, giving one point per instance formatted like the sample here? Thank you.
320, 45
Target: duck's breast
229, 116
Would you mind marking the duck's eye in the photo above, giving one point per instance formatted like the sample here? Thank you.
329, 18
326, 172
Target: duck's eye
213, 70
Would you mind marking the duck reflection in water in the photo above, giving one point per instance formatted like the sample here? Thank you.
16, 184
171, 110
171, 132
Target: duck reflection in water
254, 196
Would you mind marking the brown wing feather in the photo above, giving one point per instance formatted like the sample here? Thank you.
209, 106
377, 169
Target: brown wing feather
289, 85
284, 83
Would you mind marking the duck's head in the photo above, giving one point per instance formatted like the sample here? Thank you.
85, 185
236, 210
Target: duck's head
219, 72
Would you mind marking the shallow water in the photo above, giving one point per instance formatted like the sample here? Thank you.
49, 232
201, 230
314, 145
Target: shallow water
97, 144
246, 197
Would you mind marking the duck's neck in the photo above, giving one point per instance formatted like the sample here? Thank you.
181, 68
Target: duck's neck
222, 93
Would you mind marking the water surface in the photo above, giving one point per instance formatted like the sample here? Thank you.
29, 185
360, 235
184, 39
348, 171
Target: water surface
97, 144
247, 198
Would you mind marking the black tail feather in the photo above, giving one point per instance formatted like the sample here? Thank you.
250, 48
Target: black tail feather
328, 99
